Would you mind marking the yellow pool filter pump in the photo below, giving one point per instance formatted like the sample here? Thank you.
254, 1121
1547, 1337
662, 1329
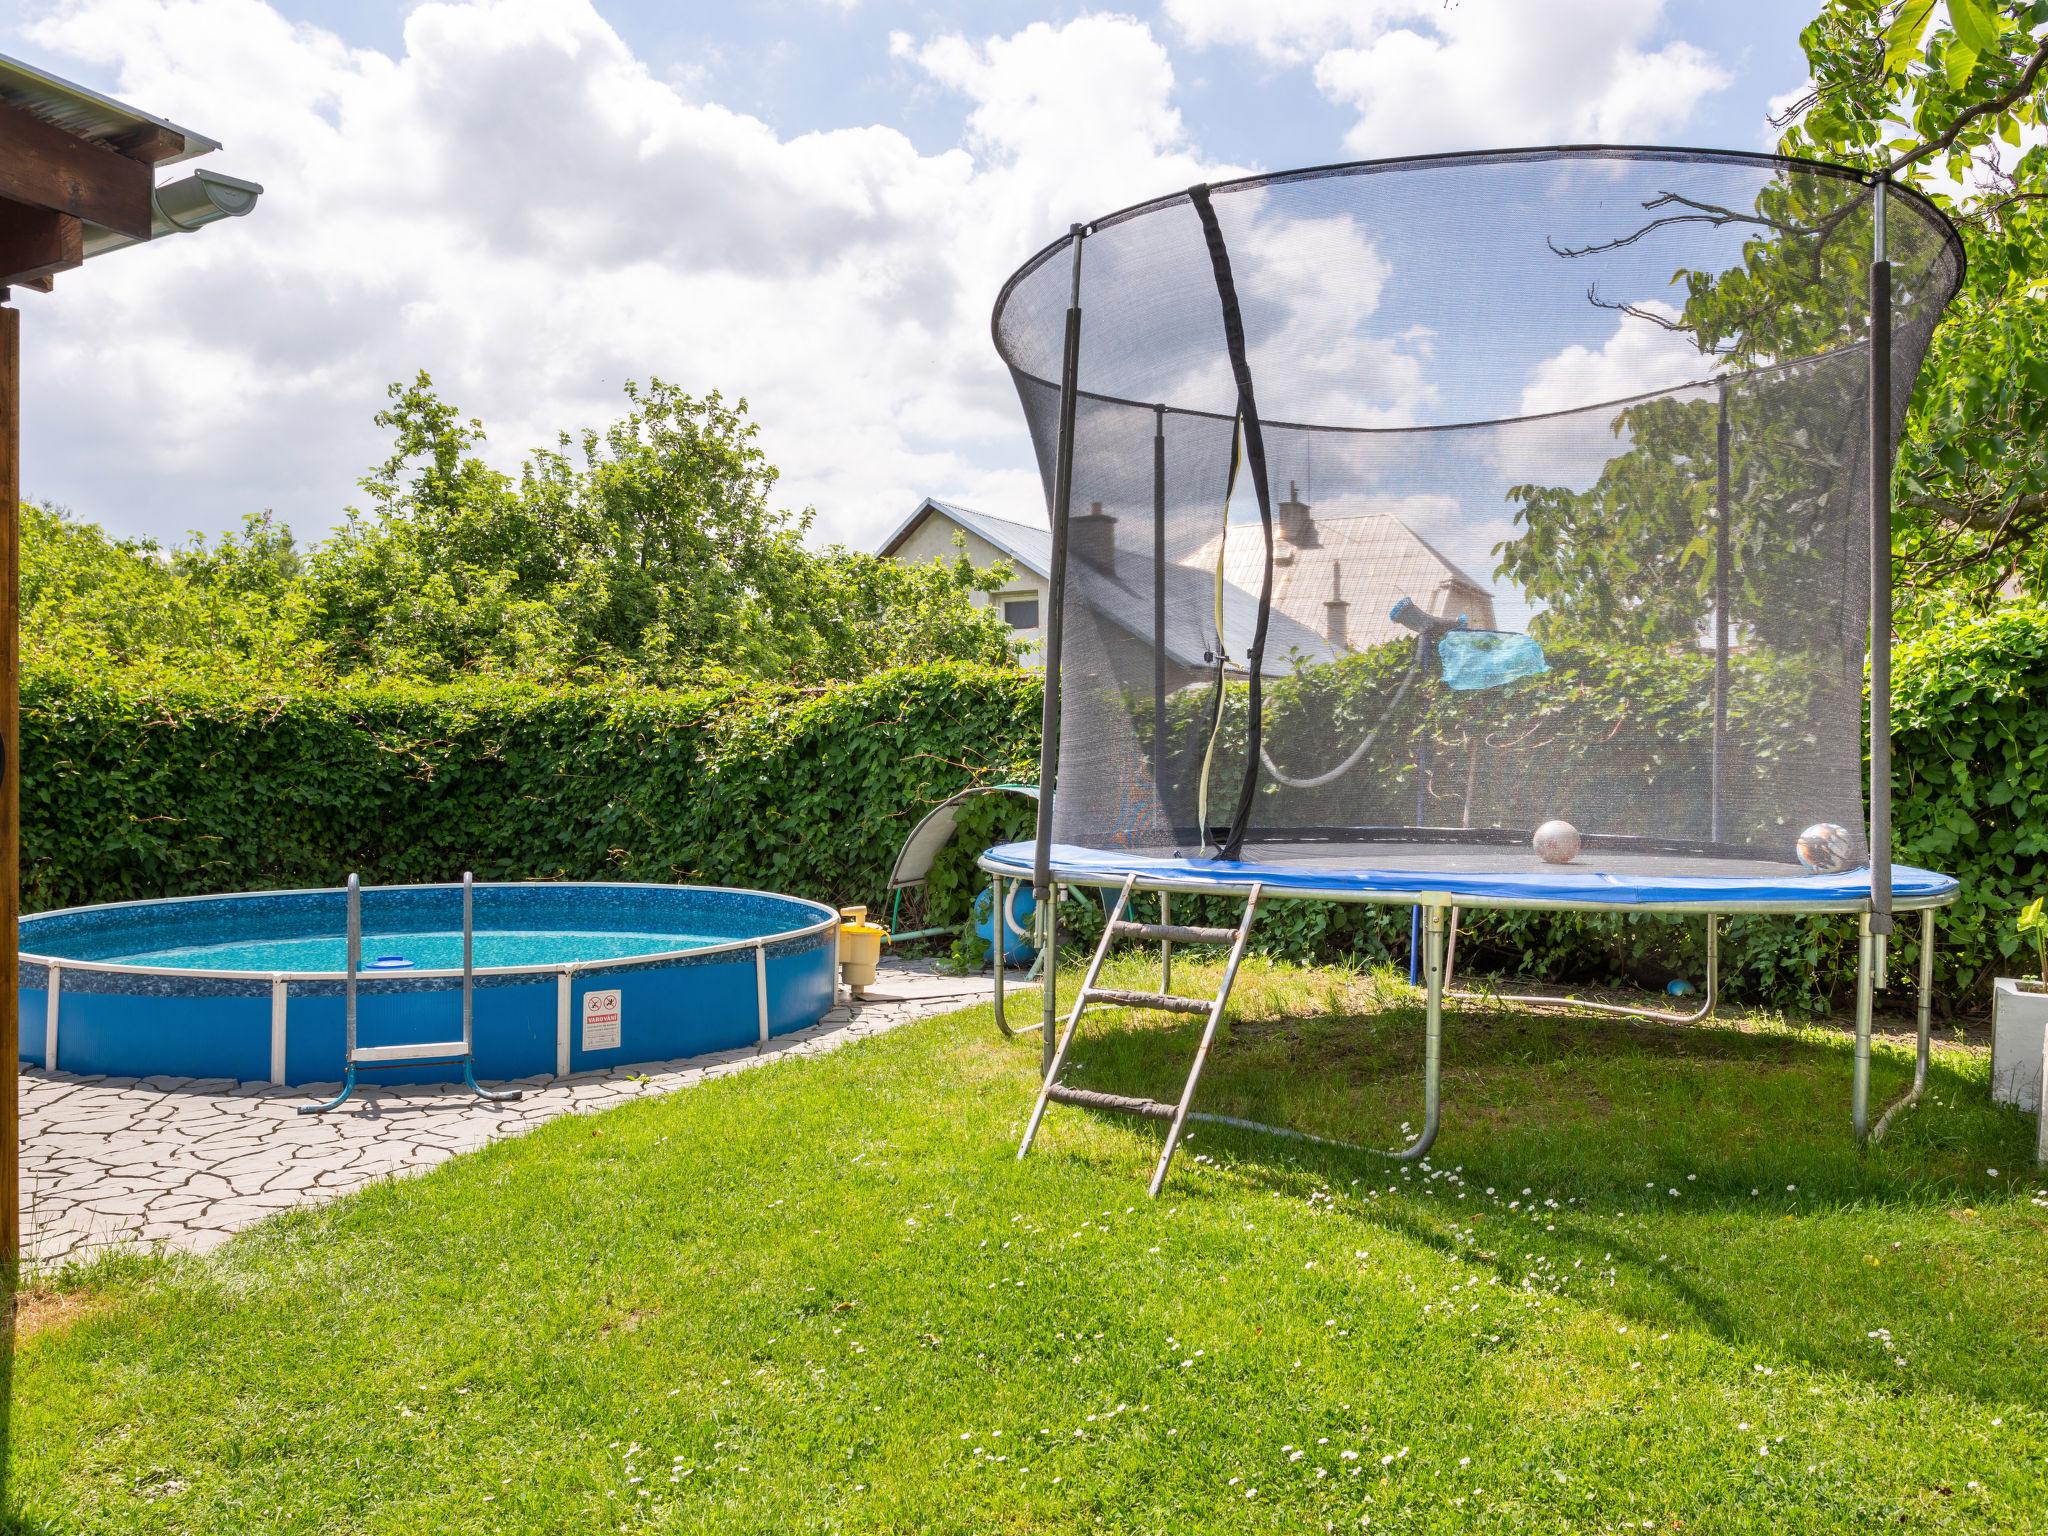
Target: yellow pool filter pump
860, 949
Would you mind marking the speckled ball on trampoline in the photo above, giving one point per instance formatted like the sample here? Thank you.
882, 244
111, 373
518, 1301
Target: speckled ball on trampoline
1825, 848
1556, 842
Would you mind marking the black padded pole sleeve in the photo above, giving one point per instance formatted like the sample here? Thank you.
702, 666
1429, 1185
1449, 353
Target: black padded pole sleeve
1881, 594
1159, 765
1255, 456
1723, 554
1049, 715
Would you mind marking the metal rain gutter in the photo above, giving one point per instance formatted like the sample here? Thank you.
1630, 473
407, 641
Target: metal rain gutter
176, 207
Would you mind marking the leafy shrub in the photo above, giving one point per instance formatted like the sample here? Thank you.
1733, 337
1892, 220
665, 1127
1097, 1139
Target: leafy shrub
180, 789
147, 791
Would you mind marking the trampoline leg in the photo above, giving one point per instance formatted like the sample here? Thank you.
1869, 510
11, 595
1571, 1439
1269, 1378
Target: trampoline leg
1713, 964
1165, 945
997, 959
1433, 947
1866, 977
1038, 960
1591, 1005
1923, 1020
1434, 952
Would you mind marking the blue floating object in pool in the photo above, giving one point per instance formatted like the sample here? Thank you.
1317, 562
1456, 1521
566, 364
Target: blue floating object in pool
1680, 988
1023, 904
389, 963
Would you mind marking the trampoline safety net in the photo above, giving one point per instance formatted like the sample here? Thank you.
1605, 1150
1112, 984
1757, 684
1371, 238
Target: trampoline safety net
1418, 504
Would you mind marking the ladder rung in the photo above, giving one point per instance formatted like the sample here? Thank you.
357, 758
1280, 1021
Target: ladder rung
1178, 933
425, 1050
1087, 1098
1165, 1002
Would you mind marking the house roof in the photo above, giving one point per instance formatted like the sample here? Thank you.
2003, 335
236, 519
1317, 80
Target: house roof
1190, 611
1382, 560
86, 114
1190, 595
1027, 545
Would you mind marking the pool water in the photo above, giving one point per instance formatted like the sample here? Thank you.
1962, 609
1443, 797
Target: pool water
428, 951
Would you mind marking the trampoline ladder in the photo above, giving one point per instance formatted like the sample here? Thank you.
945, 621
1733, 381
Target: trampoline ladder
1166, 934
371, 1058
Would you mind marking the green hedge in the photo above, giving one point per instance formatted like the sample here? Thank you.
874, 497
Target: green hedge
157, 793
131, 793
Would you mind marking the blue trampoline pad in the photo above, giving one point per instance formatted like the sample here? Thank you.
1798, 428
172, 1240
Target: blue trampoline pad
1403, 872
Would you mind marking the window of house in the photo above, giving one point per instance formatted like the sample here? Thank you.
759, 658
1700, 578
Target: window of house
1020, 612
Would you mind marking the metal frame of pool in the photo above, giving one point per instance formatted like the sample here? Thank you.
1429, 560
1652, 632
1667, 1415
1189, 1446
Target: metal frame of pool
286, 1027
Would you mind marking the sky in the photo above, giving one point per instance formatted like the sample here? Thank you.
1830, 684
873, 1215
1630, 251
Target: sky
810, 204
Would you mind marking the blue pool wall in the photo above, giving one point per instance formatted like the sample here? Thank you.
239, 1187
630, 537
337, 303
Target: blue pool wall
164, 1023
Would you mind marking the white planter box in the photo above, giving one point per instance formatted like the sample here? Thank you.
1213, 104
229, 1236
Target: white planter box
2019, 1025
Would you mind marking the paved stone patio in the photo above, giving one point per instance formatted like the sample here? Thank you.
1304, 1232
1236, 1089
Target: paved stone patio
185, 1162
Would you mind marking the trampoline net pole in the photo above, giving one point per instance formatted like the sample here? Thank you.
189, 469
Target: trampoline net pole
1159, 599
1722, 543
1880, 574
1049, 717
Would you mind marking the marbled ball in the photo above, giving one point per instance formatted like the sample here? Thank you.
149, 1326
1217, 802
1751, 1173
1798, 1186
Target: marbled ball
1556, 842
1825, 848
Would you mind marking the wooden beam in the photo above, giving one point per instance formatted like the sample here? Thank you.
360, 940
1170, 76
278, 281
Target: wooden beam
151, 143
46, 167
34, 243
10, 805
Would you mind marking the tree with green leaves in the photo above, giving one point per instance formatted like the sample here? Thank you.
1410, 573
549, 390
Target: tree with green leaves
1950, 100
1949, 103
648, 552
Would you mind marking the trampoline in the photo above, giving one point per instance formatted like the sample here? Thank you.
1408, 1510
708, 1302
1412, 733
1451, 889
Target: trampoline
1472, 531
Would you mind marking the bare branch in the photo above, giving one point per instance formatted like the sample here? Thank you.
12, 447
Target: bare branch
2025, 509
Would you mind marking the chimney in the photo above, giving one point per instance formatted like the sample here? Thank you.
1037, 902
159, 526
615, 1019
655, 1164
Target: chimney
1337, 612
1297, 527
1091, 539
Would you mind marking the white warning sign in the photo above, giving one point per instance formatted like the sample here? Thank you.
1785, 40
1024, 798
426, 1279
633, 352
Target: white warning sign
601, 1020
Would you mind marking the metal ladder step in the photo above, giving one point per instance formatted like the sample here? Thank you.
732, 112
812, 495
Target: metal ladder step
1177, 933
1163, 1002
420, 1050
1123, 1104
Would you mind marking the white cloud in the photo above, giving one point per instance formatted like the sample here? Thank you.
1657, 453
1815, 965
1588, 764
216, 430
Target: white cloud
1287, 31
1639, 356
515, 202
1493, 72
1423, 75
1322, 361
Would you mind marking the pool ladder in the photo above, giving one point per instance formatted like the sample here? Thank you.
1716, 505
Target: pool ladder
371, 1058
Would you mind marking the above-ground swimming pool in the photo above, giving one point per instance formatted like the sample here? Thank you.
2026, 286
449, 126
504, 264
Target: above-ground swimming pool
567, 978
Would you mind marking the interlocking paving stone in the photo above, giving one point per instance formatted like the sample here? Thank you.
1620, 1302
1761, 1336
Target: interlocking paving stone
185, 1163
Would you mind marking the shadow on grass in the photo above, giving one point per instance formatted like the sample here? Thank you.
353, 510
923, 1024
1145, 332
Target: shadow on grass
1594, 1106
1710, 1168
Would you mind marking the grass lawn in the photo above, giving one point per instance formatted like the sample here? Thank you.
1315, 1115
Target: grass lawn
1646, 1282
